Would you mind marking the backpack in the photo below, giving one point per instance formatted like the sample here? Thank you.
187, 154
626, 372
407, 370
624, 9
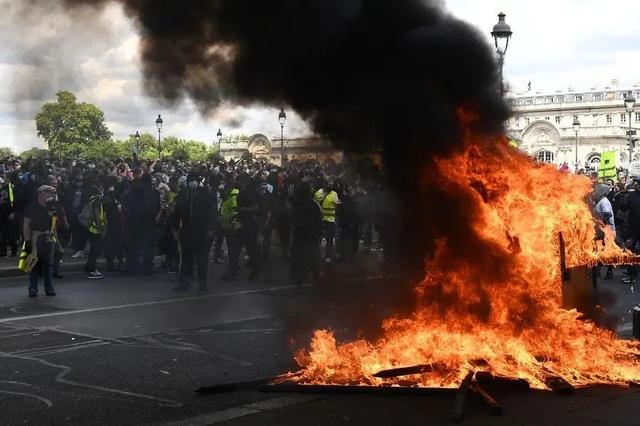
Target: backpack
85, 218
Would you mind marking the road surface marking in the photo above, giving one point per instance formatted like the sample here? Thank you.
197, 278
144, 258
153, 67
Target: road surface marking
136, 305
75, 348
61, 378
46, 401
245, 410
48, 348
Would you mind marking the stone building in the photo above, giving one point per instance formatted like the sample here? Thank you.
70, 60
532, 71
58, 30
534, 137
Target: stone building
262, 147
543, 124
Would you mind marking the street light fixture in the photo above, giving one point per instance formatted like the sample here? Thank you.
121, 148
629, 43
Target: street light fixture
219, 135
137, 147
159, 122
576, 129
501, 34
282, 118
630, 105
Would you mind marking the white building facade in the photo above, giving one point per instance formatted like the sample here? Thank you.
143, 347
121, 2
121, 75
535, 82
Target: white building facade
542, 125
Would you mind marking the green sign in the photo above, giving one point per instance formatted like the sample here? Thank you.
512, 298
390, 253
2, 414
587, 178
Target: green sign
607, 168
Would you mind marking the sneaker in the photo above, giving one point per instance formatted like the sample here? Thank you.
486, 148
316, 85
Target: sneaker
95, 276
50, 293
78, 255
58, 276
172, 271
628, 280
219, 261
33, 294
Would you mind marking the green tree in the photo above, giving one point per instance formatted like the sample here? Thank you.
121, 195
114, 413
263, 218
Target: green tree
6, 152
66, 122
35, 153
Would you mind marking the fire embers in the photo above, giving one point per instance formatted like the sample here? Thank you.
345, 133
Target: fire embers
484, 306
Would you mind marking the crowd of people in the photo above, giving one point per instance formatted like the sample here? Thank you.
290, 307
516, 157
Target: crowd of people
132, 212
617, 206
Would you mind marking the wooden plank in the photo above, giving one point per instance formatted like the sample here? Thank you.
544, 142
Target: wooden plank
347, 389
559, 385
406, 371
486, 379
461, 397
494, 407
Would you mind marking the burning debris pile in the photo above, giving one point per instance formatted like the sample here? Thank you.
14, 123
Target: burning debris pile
406, 77
496, 309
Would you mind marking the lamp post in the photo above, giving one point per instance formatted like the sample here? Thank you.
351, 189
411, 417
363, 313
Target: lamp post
630, 105
137, 146
219, 135
576, 128
159, 122
501, 34
282, 118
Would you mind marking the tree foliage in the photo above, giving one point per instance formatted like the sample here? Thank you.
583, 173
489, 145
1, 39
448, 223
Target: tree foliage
6, 152
66, 125
35, 153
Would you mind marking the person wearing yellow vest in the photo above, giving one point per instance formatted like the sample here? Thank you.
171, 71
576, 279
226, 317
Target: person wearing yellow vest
97, 229
328, 201
7, 218
39, 231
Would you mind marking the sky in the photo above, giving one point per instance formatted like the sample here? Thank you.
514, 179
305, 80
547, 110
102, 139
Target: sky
556, 44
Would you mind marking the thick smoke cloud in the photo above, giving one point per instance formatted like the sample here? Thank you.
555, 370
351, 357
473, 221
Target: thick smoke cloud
369, 74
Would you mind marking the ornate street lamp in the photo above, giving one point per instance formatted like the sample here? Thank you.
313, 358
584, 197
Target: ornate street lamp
159, 122
137, 145
501, 34
576, 128
219, 135
630, 105
282, 118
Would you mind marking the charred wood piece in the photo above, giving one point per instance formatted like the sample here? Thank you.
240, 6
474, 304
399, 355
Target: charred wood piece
486, 379
406, 371
494, 407
232, 387
559, 385
348, 389
461, 397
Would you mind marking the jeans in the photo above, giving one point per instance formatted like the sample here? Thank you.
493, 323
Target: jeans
194, 249
140, 248
330, 236
236, 239
95, 249
44, 267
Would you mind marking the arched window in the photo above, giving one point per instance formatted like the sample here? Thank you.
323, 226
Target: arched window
545, 156
593, 159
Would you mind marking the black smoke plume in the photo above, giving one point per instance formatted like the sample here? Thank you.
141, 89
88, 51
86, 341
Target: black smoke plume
369, 74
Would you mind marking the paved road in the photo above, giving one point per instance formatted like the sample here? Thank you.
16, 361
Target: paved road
130, 351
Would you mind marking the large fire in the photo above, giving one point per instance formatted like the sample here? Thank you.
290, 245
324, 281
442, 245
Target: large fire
502, 314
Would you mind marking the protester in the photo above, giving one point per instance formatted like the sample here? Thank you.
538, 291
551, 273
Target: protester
328, 200
195, 214
148, 209
40, 239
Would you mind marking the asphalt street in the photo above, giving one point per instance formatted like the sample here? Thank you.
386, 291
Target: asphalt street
128, 350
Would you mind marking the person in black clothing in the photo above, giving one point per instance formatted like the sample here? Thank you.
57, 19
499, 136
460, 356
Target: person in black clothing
142, 207
307, 230
195, 214
7, 217
39, 236
247, 234
113, 246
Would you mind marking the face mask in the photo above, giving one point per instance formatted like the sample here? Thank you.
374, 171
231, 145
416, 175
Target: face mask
193, 184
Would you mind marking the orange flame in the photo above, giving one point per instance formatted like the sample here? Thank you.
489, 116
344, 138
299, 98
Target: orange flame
507, 320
